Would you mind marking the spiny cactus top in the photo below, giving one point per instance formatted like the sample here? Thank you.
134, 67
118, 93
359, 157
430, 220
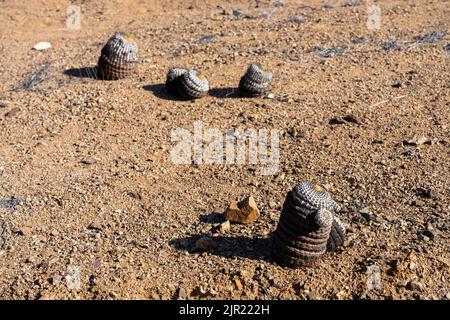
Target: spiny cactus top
118, 57
188, 84
255, 81
313, 196
174, 73
121, 47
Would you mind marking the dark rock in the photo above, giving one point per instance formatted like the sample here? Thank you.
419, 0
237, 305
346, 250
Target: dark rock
297, 19
181, 294
364, 211
325, 52
447, 48
238, 13
95, 226
330, 5
34, 79
408, 153
430, 37
360, 40
351, 119
206, 244
358, 219
279, 4
423, 237
391, 46
205, 39
11, 203
89, 161
418, 203
55, 279
353, 3
335, 121
414, 286
426, 193
12, 112
428, 233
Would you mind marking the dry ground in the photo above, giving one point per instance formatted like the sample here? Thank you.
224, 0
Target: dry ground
86, 178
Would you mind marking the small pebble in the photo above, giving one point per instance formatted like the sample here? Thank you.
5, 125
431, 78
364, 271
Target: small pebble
12, 112
42, 46
181, 294
414, 286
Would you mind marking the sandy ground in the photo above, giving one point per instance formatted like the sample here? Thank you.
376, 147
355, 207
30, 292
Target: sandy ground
88, 190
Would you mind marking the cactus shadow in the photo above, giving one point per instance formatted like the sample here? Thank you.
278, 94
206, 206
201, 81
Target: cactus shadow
160, 91
213, 217
85, 72
230, 247
224, 93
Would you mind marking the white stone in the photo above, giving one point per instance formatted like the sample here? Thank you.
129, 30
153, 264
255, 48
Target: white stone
42, 46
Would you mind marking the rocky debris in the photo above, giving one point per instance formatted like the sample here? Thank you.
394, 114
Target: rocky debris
374, 277
225, 226
427, 235
239, 13
417, 141
26, 230
279, 4
244, 211
330, 5
334, 121
408, 153
11, 203
344, 119
392, 46
205, 39
326, 52
366, 214
414, 286
360, 40
89, 160
354, 3
447, 48
297, 20
34, 79
351, 119
181, 294
4, 103
43, 45
55, 279
238, 284
426, 193
418, 203
432, 37
199, 291
12, 112
95, 226
206, 244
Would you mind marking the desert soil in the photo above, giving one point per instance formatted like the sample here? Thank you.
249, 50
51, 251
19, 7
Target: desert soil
88, 187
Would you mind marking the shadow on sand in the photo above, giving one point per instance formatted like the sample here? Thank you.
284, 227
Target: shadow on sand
87, 72
229, 247
159, 90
